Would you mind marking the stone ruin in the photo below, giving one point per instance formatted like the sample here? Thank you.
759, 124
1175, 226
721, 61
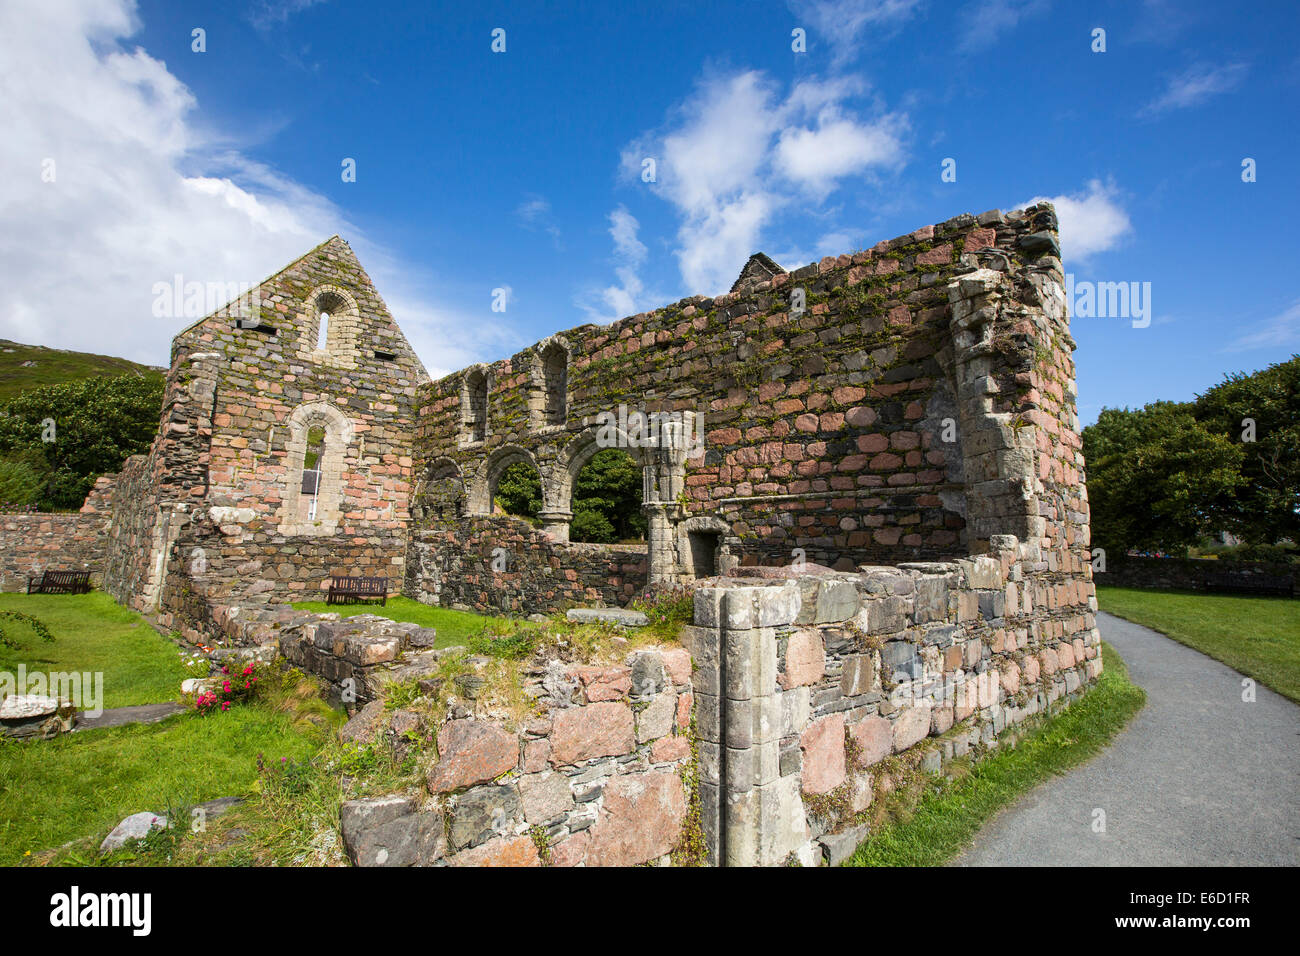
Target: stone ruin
884, 515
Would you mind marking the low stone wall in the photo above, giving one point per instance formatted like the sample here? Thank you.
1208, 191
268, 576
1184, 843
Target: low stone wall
594, 778
454, 567
805, 685
36, 542
1192, 574
599, 773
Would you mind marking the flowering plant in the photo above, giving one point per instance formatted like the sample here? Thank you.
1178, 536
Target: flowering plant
235, 684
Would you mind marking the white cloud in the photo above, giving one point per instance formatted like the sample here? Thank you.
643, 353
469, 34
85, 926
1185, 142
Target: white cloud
841, 22
1195, 85
617, 301
983, 23
736, 154
837, 148
1283, 330
1091, 221
142, 193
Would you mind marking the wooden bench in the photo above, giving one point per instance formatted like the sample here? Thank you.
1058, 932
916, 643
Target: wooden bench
60, 582
345, 589
1250, 582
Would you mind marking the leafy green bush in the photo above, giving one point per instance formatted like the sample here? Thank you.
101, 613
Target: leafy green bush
591, 526
97, 424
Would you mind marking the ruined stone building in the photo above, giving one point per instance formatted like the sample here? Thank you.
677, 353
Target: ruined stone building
904, 403
904, 416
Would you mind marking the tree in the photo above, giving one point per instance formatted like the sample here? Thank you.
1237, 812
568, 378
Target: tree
1261, 413
80, 430
609, 490
22, 479
1157, 478
519, 491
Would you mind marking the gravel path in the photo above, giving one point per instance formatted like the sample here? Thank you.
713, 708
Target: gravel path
1199, 778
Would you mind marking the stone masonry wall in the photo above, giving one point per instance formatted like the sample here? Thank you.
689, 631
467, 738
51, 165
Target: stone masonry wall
35, 542
885, 422
454, 568
805, 685
598, 771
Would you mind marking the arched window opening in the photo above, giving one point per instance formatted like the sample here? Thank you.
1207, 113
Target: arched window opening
555, 376
607, 495
315, 478
475, 399
311, 472
517, 491
332, 334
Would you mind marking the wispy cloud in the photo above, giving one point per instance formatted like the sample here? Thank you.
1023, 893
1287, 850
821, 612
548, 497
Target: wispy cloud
1091, 221
736, 153
267, 14
1282, 329
982, 24
616, 301
534, 213
841, 23
1194, 86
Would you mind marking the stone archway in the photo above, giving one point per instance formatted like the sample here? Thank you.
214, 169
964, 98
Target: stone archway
558, 482
489, 472
313, 504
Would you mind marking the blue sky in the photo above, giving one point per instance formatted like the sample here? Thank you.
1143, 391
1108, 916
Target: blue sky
522, 170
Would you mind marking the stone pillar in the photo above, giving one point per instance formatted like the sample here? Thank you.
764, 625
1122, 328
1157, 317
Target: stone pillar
752, 816
998, 448
661, 533
556, 524
664, 480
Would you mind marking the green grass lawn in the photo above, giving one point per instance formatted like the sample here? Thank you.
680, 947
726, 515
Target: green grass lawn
948, 816
93, 634
453, 627
1258, 636
79, 786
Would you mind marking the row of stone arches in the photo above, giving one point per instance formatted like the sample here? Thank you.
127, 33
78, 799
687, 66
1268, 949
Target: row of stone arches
444, 492
680, 547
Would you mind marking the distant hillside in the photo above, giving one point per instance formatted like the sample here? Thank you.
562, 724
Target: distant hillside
25, 366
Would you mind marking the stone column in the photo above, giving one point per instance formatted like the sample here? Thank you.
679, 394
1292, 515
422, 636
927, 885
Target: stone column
664, 480
998, 448
752, 816
556, 524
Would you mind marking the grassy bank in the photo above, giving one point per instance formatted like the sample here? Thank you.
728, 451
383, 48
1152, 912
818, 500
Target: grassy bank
929, 826
93, 634
1258, 636
77, 787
